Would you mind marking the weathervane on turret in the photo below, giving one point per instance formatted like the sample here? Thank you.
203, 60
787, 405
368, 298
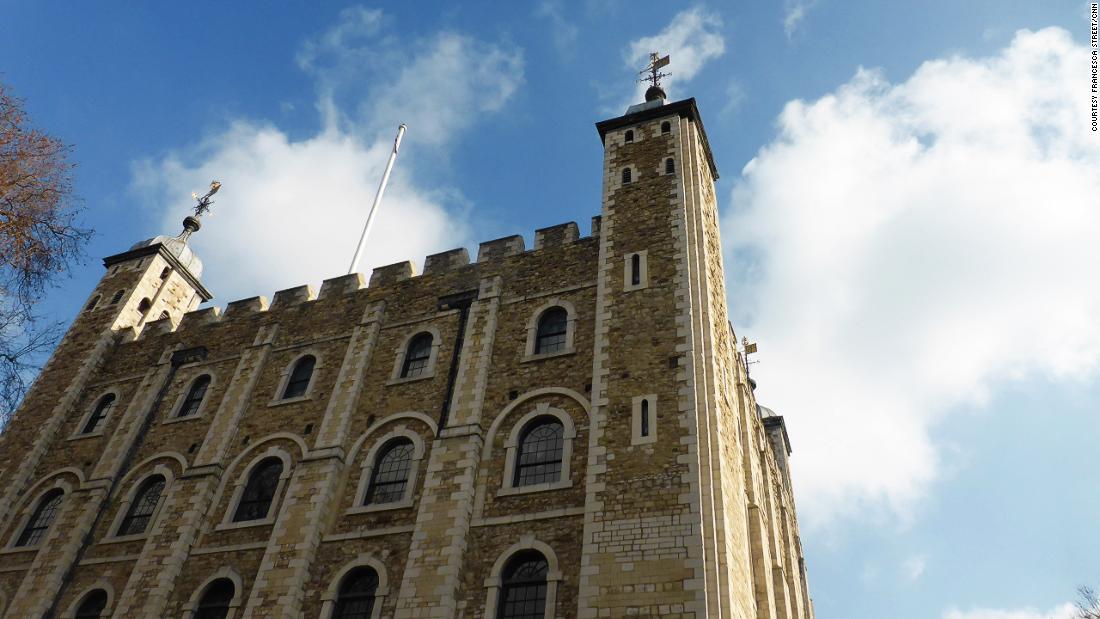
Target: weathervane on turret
192, 223
654, 76
204, 202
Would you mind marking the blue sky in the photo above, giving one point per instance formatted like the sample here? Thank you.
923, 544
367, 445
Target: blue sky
908, 195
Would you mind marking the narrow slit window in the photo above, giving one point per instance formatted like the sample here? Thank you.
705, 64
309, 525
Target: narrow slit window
666, 127
645, 418
670, 165
635, 270
626, 176
628, 136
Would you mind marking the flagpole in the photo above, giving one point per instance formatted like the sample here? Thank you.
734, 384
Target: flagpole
377, 199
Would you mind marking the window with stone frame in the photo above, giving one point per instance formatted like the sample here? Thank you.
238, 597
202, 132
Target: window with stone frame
627, 176
300, 376
142, 507
666, 127
417, 356
195, 394
523, 587
215, 601
118, 297
552, 330
99, 413
92, 606
539, 457
41, 519
628, 136
390, 477
670, 165
357, 594
259, 491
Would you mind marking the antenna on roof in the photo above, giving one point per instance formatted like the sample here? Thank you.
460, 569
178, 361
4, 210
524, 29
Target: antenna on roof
377, 199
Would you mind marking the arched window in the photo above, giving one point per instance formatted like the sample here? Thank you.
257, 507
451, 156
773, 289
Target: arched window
41, 519
216, 600
523, 587
166, 272
356, 598
91, 304
540, 452
645, 418
628, 136
417, 356
666, 127
391, 473
259, 492
670, 165
626, 175
635, 270
145, 305
118, 297
552, 330
142, 507
195, 394
164, 315
300, 377
92, 606
102, 409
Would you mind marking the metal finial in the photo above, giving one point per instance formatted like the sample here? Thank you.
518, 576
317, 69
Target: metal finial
192, 223
654, 68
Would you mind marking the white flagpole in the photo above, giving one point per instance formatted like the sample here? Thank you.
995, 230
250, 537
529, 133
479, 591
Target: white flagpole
377, 199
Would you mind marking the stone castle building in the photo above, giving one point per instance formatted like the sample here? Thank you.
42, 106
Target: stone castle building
562, 431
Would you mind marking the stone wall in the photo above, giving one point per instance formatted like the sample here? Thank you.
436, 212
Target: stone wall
694, 520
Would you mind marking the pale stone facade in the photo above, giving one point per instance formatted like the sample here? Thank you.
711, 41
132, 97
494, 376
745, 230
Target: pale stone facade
673, 499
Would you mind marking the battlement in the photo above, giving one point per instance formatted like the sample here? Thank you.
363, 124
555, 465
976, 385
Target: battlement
492, 257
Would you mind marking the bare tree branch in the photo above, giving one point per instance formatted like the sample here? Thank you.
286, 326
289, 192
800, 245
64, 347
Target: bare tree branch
39, 241
1088, 605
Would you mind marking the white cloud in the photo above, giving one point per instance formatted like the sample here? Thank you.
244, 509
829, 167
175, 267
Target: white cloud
692, 39
794, 12
903, 250
291, 210
1065, 611
913, 567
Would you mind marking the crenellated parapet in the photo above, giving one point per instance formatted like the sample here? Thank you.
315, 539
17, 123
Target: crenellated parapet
494, 257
